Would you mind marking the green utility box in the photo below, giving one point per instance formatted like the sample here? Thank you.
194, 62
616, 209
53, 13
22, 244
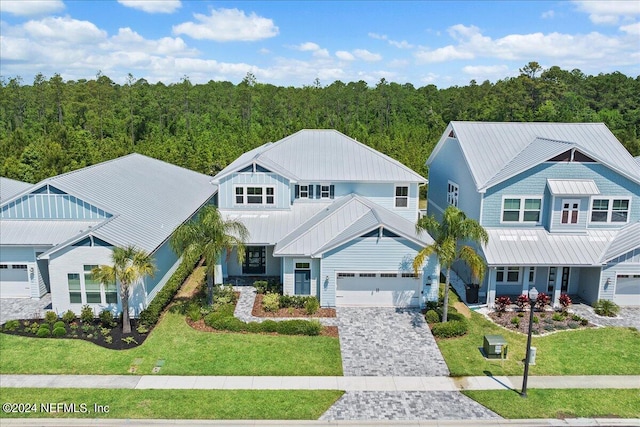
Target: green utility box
494, 346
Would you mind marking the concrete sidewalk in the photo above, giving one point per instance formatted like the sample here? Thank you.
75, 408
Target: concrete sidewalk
398, 383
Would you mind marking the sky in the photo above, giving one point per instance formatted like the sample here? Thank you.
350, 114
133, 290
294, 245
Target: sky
293, 43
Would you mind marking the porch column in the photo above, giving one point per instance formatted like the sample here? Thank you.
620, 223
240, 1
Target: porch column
491, 287
217, 272
526, 285
555, 298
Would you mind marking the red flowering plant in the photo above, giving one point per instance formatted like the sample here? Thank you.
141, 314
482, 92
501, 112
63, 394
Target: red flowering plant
542, 301
565, 302
501, 304
522, 302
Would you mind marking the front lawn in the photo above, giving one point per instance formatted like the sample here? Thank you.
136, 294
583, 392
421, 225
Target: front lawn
183, 350
568, 403
171, 404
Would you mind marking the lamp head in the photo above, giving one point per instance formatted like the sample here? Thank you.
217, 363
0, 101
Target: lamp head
533, 294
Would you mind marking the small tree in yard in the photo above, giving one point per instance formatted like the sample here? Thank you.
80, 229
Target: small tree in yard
448, 235
129, 266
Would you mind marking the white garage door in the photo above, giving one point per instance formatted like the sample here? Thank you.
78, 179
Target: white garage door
627, 290
378, 290
14, 281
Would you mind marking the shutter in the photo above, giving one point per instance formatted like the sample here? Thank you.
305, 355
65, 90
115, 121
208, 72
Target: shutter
332, 191
297, 191
317, 191
311, 191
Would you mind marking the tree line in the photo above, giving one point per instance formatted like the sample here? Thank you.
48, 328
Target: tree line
53, 126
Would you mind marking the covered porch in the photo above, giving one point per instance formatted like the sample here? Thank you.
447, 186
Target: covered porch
258, 263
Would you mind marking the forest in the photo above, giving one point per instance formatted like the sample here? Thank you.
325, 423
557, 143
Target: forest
53, 126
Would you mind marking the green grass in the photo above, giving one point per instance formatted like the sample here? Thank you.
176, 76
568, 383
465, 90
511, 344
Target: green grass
185, 351
568, 403
601, 351
178, 404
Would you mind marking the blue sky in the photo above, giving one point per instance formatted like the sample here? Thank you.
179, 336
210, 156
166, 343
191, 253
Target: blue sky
291, 43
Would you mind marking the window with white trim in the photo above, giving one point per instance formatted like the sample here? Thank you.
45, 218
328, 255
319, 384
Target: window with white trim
304, 192
610, 210
402, 196
388, 275
521, 209
302, 265
325, 192
4, 266
453, 190
75, 293
342, 275
255, 195
507, 275
367, 275
91, 286
570, 209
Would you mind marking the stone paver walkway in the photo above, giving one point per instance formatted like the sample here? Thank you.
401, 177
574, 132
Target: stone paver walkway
23, 308
628, 316
388, 342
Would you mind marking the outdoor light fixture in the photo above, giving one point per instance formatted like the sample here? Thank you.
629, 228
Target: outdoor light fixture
533, 296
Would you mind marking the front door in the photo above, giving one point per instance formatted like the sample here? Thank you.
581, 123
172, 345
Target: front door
302, 282
255, 260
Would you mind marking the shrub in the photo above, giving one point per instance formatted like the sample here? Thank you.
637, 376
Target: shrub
450, 329
59, 324
224, 295
557, 317
50, 317
11, 325
522, 302
228, 323
86, 314
584, 322
515, 321
606, 308
108, 339
502, 303
573, 325
311, 306
193, 312
68, 316
34, 327
59, 332
576, 318
261, 286
150, 315
521, 314
142, 329
432, 316
105, 331
269, 326
548, 328
106, 318
299, 327
129, 340
432, 305
271, 302
542, 301
535, 319
43, 331
565, 302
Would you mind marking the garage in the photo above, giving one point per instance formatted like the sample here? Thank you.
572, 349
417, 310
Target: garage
378, 289
14, 281
627, 290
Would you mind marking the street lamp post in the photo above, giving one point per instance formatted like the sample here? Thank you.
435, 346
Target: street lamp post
533, 296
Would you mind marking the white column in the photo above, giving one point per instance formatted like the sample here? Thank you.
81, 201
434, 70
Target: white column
555, 298
491, 287
526, 285
217, 272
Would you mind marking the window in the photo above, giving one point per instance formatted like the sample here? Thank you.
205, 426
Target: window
610, 210
414, 275
452, 193
3, 266
512, 275
111, 293
75, 296
302, 265
91, 286
255, 195
388, 274
570, 210
367, 274
521, 209
324, 192
402, 196
532, 274
239, 195
19, 266
341, 275
270, 194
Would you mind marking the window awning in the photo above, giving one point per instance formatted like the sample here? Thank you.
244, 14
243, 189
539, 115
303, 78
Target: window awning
572, 187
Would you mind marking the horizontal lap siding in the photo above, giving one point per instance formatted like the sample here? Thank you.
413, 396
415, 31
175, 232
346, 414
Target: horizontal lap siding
226, 192
383, 194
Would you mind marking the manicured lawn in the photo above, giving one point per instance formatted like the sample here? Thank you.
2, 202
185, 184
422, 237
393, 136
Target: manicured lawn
177, 404
570, 403
601, 351
184, 350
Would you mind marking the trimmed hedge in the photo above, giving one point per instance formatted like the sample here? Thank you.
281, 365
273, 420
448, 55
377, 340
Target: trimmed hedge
432, 316
224, 320
150, 315
450, 329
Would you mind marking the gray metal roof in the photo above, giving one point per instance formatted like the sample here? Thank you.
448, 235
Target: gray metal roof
627, 239
147, 197
11, 187
347, 218
498, 151
538, 247
572, 187
41, 232
324, 155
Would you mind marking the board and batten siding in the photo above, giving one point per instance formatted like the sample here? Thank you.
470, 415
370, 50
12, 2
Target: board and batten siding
166, 262
226, 190
449, 165
534, 182
372, 254
288, 275
51, 206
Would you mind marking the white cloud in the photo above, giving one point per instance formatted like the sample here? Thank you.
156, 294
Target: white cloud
610, 11
365, 55
225, 25
631, 29
308, 46
153, 6
66, 29
443, 54
484, 72
549, 14
399, 44
31, 7
345, 56
129, 40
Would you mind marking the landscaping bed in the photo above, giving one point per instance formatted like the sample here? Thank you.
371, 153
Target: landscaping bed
544, 322
259, 311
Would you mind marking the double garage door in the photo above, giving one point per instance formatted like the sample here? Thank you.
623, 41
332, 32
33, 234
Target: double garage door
14, 281
379, 289
627, 290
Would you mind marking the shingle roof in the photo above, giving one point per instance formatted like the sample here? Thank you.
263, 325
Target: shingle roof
324, 155
148, 198
498, 151
11, 187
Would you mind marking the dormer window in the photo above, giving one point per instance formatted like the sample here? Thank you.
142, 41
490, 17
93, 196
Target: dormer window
254, 195
314, 191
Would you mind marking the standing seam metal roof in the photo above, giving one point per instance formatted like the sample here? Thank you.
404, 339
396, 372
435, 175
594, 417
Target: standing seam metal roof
11, 187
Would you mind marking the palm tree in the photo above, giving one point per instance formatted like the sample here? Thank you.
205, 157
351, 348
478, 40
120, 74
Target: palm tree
448, 235
208, 237
130, 264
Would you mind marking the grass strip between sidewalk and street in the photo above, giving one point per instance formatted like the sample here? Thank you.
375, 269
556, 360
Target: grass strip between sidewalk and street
168, 404
565, 403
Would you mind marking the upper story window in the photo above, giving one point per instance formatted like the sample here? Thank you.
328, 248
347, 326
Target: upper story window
610, 210
402, 196
253, 195
570, 211
314, 191
453, 190
521, 209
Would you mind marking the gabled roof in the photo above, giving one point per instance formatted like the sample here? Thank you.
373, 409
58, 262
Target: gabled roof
323, 155
496, 152
41, 232
347, 218
11, 187
148, 199
627, 239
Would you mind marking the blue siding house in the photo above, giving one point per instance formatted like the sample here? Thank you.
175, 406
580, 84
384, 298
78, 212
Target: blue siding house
560, 201
54, 232
330, 217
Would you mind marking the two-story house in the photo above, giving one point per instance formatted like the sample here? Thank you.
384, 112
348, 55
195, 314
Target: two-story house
330, 217
560, 202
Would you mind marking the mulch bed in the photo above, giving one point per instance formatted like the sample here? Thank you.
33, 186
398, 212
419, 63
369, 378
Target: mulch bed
93, 334
289, 312
545, 323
